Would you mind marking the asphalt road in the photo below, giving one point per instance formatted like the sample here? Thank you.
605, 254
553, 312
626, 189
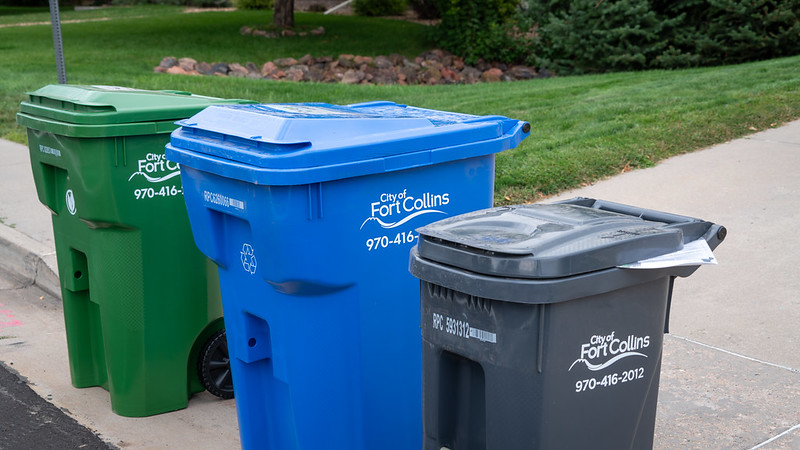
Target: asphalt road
28, 421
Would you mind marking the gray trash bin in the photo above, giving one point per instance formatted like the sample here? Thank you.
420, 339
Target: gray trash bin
533, 337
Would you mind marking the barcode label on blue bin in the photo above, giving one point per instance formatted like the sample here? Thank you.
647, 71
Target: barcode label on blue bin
214, 198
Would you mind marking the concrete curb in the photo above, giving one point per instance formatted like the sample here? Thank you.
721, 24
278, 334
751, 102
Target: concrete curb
29, 261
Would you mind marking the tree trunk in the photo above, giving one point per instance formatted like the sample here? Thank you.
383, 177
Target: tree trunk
284, 14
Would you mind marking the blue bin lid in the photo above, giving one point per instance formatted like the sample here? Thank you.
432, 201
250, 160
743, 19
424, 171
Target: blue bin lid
299, 143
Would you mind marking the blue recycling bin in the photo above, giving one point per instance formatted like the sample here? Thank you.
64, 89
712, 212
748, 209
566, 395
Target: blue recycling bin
309, 211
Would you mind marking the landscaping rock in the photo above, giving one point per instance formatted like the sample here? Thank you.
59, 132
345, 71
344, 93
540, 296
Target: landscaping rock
237, 70
286, 62
384, 76
296, 73
306, 60
176, 70
187, 64
522, 72
411, 64
431, 75
347, 61
470, 75
396, 59
268, 68
449, 75
205, 68
361, 60
382, 62
168, 62
220, 68
314, 75
432, 67
492, 75
409, 75
353, 77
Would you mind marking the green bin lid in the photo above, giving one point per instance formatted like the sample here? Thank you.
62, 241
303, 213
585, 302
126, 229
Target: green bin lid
101, 111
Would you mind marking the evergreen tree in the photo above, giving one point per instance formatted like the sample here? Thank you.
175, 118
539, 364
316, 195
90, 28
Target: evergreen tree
733, 31
749, 30
597, 36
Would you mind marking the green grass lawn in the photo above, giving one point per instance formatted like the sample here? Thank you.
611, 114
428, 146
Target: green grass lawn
583, 128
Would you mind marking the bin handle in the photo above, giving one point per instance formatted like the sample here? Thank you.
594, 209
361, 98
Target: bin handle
692, 228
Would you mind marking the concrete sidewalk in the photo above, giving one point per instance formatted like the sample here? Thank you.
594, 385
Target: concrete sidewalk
27, 248
730, 376
731, 370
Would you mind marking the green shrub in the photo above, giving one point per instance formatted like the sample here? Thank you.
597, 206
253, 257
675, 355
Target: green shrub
376, 8
597, 36
734, 31
578, 36
480, 29
254, 4
537, 11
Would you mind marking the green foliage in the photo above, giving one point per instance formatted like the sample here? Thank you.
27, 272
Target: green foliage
377, 8
597, 36
728, 31
480, 29
537, 11
579, 36
254, 4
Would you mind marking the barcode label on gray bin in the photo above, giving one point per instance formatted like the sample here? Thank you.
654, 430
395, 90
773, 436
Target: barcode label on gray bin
481, 335
461, 329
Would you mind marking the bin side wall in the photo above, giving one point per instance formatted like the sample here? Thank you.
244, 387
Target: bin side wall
135, 285
323, 269
576, 374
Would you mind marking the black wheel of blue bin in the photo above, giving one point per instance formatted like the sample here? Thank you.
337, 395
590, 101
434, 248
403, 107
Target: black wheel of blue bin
214, 367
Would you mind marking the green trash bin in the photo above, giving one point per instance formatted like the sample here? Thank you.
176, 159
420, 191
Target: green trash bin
142, 308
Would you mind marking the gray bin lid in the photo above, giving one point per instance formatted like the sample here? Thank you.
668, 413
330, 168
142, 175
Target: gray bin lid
545, 240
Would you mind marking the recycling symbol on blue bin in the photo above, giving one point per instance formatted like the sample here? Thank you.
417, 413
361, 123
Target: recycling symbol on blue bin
248, 258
